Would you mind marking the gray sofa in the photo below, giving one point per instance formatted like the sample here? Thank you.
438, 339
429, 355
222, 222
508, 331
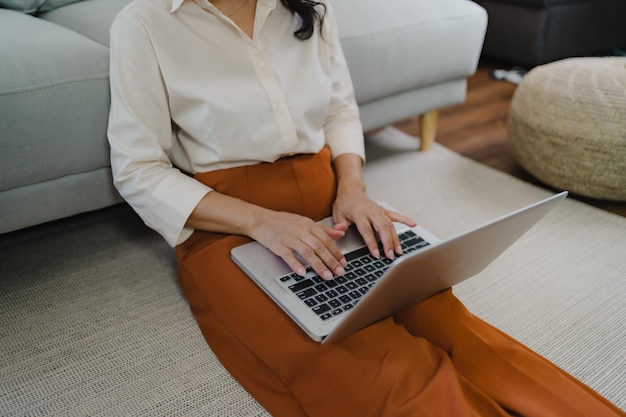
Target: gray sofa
534, 32
406, 57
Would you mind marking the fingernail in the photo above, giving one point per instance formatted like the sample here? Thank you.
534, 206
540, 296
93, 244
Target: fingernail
327, 275
390, 254
343, 262
399, 249
340, 271
301, 271
376, 254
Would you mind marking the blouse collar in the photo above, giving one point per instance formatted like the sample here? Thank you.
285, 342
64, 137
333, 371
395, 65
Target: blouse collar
177, 3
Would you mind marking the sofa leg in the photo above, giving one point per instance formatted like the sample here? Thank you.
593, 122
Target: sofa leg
428, 129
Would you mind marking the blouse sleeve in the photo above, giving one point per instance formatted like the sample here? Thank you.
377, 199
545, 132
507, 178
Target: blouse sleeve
343, 129
140, 136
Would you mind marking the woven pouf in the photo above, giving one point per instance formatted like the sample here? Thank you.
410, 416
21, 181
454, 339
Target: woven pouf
567, 126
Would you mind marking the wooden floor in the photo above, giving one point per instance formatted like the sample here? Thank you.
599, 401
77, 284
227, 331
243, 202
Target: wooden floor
477, 129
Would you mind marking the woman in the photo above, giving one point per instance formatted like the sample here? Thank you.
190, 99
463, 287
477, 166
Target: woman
234, 120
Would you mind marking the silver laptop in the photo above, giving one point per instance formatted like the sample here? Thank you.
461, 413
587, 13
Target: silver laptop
373, 289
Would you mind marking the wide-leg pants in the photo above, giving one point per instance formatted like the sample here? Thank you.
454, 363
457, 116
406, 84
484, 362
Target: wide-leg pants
432, 359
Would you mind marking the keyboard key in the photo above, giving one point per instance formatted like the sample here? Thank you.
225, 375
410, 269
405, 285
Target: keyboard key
331, 294
373, 277
309, 292
345, 299
334, 303
351, 275
321, 309
341, 289
310, 302
326, 316
413, 242
301, 285
355, 295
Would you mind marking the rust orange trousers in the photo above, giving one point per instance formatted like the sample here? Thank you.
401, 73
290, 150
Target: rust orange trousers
433, 359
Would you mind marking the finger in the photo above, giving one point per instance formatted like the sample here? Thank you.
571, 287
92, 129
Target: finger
321, 254
400, 218
339, 217
389, 238
369, 236
342, 226
334, 233
328, 252
291, 260
337, 255
380, 227
315, 262
312, 260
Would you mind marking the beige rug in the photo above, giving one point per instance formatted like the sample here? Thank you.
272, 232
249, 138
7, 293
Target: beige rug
93, 321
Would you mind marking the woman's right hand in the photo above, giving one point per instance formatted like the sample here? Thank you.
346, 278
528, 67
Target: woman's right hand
287, 234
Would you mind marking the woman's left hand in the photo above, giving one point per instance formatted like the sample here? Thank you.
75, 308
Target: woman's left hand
353, 206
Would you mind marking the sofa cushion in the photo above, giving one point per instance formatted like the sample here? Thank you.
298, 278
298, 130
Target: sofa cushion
53, 4
91, 18
34, 6
27, 6
435, 42
54, 96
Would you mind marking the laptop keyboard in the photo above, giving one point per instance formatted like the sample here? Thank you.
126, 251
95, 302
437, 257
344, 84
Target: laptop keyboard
329, 299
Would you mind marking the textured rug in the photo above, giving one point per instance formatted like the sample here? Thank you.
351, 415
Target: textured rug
93, 321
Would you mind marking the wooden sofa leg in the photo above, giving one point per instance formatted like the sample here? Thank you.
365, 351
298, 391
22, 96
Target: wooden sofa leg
428, 129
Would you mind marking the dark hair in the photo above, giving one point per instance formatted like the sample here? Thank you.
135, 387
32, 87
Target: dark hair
308, 12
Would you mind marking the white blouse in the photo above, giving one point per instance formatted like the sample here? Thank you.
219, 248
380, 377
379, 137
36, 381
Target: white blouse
191, 92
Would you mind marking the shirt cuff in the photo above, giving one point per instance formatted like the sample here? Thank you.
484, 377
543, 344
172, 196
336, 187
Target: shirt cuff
178, 195
348, 139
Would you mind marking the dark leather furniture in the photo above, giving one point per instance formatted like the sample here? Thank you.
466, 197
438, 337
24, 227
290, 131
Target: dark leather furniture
534, 32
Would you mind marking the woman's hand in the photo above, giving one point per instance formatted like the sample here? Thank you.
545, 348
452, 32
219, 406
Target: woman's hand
288, 234
285, 234
353, 206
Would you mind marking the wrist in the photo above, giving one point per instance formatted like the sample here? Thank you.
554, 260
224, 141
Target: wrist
351, 186
254, 218
348, 168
